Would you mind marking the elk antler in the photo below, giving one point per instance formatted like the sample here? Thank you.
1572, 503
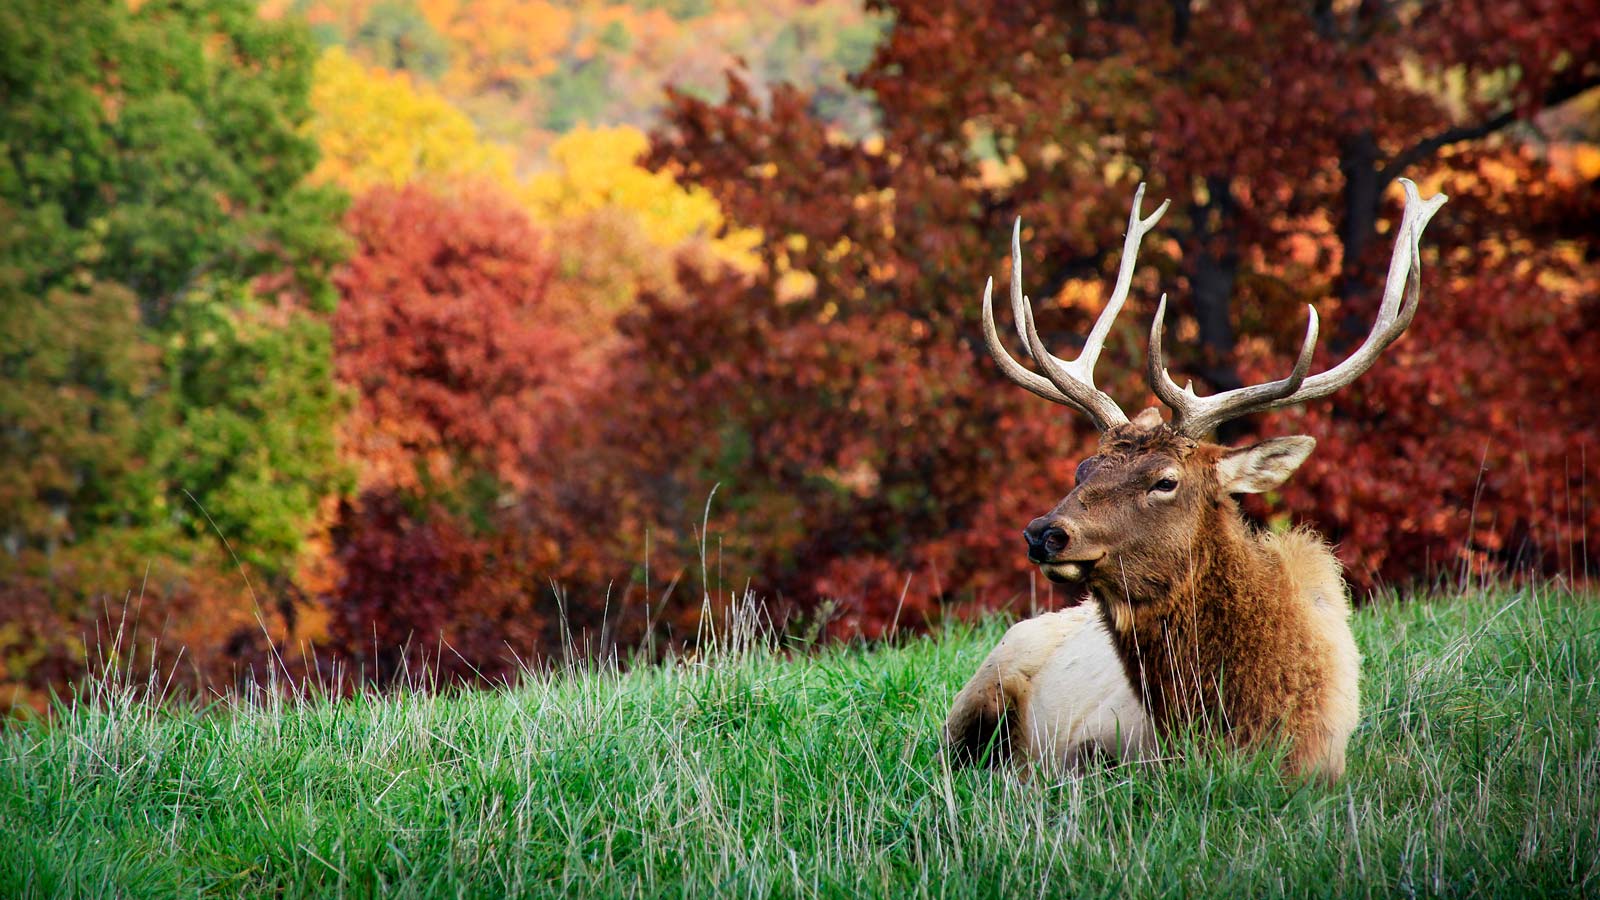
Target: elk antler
1198, 416
1070, 383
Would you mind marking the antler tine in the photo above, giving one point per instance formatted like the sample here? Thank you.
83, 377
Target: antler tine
1012, 369
1402, 295
1198, 416
1072, 382
1080, 392
1137, 229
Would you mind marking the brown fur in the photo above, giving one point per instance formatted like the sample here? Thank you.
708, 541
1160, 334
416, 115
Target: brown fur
1241, 635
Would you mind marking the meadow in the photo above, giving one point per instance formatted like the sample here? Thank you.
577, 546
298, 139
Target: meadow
755, 770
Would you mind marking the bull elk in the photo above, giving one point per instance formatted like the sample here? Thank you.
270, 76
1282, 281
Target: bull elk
1195, 621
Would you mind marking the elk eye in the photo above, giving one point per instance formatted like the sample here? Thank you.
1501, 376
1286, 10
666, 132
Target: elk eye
1165, 486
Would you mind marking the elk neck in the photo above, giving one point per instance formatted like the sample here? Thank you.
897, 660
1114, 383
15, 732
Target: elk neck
1194, 646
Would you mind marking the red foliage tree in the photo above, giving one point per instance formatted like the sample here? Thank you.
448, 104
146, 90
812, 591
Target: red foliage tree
442, 331
858, 429
426, 592
459, 370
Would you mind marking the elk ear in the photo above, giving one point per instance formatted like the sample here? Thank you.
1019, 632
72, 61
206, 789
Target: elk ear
1147, 420
1264, 466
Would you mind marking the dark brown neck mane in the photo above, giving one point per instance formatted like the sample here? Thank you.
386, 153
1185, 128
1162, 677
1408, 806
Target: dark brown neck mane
1196, 651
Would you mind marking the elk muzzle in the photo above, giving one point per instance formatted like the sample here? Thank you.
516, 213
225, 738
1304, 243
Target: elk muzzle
1047, 539
1053, 544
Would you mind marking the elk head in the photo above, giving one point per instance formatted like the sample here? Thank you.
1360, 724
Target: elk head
1132, 520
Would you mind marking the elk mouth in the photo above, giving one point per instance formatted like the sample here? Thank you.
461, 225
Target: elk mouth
1068, 571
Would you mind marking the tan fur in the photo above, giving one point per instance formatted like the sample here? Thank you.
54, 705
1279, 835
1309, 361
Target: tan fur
1055, 686
1316, 578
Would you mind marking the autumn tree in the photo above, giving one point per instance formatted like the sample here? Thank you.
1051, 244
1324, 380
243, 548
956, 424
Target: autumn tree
165, 369
459, 368
377, 128
595, 168
858, 421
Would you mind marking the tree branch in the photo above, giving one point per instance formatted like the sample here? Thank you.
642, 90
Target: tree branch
1428, 146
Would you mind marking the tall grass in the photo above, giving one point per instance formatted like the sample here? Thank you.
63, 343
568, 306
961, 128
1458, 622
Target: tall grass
751, 772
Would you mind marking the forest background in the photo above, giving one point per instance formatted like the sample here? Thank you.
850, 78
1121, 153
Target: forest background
345, 339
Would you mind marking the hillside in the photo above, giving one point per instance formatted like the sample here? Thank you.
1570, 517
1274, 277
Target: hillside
529, 70
1476, 772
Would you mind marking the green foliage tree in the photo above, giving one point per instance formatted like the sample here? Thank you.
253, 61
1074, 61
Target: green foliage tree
577, 93
150, 147
398, 37
254, 401
75, 373
164, 271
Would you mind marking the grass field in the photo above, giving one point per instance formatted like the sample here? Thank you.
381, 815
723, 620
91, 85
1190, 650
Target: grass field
1475, 772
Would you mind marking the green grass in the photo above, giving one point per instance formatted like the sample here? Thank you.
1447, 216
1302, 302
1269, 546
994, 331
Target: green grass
1476, 772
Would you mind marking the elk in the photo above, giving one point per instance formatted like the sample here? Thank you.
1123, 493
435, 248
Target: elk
1239, 635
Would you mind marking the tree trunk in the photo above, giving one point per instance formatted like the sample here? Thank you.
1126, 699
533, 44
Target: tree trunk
1213, 247
1358, 160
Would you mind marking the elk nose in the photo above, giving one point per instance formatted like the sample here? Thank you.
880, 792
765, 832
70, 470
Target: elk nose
1045, 540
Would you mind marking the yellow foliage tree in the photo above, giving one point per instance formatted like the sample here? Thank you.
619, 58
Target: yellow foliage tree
378, 128
598, 169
